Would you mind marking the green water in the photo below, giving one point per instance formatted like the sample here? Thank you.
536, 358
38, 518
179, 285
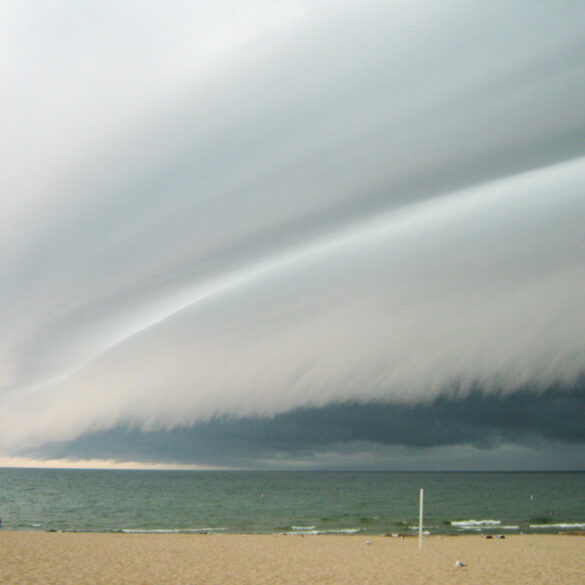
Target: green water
298, 502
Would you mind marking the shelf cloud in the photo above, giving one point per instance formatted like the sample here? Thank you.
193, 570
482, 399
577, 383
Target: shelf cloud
221, 221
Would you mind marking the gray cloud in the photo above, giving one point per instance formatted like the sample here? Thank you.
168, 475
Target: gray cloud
254, 209
396, 433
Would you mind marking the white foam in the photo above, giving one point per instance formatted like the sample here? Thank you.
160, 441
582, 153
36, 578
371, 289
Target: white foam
170, 530
314, 531
475, 524
562, 526
425, 532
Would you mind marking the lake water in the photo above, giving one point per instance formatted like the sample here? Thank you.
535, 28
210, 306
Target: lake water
295, 502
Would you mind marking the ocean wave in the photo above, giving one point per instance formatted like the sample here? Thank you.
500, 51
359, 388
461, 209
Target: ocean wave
475, 524
561, 526
208, 530
303, 527
314, 531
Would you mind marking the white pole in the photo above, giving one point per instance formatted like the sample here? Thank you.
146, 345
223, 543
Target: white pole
420, 519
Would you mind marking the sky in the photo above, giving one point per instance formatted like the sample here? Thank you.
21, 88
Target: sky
292, 234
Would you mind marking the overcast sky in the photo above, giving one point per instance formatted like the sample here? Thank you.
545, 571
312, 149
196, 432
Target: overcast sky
325, 234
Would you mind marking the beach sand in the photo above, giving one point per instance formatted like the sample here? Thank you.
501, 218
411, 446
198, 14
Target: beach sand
76, 558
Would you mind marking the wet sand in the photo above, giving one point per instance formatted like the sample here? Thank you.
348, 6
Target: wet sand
140, 559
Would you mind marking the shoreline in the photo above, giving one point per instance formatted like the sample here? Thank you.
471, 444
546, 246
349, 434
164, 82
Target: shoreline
189, 559
349, 534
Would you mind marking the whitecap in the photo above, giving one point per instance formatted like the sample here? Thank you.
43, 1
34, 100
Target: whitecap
314, 531
206, 530
562, 526
475, 524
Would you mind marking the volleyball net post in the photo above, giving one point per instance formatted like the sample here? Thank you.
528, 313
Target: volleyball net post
420, 518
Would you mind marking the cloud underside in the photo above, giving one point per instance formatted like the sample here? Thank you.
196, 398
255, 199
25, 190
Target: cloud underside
354, 435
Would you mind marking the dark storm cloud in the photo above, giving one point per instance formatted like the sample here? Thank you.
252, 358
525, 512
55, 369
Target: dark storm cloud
480, 422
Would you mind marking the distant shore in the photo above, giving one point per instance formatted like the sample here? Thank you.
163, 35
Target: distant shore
97, 558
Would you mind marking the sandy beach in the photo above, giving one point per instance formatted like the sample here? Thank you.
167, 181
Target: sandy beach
47, 558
